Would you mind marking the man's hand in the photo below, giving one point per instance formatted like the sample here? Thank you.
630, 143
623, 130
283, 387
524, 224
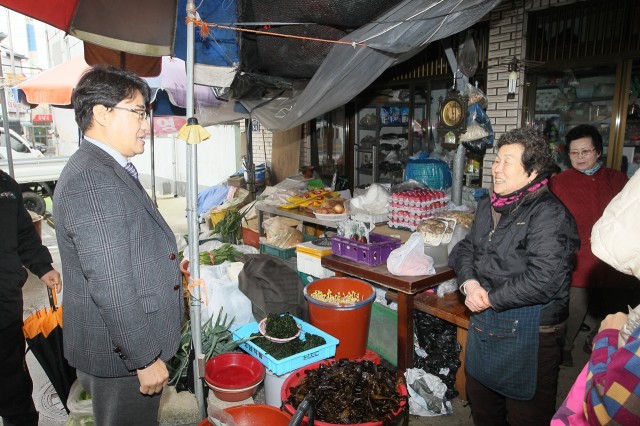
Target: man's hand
153, 378
477, 299
615, 321
52, 280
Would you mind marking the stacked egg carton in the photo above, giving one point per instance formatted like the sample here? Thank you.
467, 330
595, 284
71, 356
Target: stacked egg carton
408, 208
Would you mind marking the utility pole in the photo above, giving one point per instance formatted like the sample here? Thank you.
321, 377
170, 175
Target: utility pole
5, 112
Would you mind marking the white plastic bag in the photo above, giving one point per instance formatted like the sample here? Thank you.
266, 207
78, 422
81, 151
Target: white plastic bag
426, 394
223, 292
80, 410
409, 259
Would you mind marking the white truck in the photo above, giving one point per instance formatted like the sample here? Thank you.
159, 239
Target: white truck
36, 174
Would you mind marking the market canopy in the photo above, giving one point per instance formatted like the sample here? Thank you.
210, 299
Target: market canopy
168, 90
286, 61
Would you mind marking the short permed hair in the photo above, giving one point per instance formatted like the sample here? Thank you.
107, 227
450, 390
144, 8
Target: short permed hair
106, 86
536, 155
584, 131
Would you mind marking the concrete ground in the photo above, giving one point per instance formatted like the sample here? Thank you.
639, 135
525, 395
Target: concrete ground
181, 408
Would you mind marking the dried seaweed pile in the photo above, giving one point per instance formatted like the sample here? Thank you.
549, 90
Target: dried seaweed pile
439, 340
348, 392
284, 350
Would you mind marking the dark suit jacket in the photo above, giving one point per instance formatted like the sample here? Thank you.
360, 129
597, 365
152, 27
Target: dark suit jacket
122, 286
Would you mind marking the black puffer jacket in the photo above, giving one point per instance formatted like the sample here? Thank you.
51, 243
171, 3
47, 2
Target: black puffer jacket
527, 260
20, 245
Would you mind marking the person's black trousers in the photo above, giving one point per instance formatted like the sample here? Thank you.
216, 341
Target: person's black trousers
16, 404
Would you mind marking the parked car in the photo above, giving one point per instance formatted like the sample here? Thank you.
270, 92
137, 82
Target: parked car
40, 147
20, 147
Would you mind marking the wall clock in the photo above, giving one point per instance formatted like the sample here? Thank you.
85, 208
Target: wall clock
453, 113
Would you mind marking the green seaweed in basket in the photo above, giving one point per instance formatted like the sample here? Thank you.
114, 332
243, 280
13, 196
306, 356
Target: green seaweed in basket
284, 350
280, 326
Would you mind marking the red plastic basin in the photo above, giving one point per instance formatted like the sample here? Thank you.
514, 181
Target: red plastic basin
233, 370
255, 414
296, 377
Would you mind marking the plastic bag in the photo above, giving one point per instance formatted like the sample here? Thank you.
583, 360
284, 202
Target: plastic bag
468, 56
373, 202
479, 135
427, 394
280, 233
223, 292
409, 259
476, 96
80, 409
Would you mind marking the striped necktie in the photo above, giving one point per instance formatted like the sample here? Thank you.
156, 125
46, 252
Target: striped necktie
131, 169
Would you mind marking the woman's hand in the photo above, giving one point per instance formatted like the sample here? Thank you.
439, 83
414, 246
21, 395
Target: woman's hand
615, 321
477, 299
52, 280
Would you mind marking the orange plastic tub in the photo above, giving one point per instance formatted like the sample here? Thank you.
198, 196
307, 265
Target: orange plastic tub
255, 414
348, 323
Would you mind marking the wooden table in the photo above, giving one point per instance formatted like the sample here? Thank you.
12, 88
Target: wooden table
407, 288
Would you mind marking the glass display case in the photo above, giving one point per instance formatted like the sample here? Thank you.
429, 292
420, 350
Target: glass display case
563, 100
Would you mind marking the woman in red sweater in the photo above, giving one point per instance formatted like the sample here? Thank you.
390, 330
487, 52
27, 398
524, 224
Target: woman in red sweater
585, 189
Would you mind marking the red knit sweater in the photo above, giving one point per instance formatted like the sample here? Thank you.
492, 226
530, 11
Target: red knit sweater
586, 198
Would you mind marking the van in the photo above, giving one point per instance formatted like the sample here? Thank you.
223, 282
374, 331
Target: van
20, 147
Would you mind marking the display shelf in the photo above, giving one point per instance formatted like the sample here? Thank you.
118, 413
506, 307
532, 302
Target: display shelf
562, 105
384, 126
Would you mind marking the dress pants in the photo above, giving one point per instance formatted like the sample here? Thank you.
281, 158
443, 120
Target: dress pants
16, 404
490, 408
117, 401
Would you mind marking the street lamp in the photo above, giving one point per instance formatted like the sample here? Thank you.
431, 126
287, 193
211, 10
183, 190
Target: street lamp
5, 113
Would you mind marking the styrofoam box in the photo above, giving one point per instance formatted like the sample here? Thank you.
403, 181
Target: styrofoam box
312, 265
293, 362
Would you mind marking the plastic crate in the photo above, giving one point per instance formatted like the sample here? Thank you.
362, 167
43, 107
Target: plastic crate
374, 253
312, 265
383, 332
277, 251
293, 362
250, 237
307, 278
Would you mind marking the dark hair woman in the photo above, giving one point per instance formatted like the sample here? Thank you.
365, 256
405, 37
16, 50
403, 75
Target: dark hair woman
514, 268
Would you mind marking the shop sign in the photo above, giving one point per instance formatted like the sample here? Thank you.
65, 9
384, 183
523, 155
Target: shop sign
43, 118
163, 126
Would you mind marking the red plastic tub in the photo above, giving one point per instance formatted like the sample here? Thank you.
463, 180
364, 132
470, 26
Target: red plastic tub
255, 414
349, 323
233, 370
296, 377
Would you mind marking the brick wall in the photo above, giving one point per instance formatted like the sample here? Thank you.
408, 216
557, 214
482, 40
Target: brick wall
507, 38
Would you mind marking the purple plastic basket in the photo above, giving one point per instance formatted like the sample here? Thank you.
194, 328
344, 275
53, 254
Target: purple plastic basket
374, 253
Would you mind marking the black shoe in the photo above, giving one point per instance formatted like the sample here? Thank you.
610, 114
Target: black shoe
567, 359
584, 327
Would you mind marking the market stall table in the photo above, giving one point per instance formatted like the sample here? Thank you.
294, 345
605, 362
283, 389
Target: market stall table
297, 214
407, 288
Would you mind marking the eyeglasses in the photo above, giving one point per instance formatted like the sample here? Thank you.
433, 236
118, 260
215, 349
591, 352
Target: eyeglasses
580, 154
142, 114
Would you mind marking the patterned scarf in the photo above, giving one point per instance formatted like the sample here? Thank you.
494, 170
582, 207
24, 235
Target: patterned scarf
593, 170
504, 203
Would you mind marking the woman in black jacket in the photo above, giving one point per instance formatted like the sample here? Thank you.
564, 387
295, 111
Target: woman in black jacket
514, 268
20, 245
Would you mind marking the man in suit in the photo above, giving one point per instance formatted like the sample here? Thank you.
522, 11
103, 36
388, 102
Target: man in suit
123, 294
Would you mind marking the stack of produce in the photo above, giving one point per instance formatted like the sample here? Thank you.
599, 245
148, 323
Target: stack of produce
408, 208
